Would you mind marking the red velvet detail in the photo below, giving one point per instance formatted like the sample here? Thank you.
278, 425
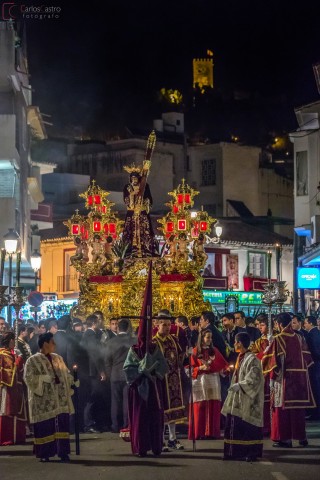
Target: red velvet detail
218, 265
106, 279
177, 277
255, 284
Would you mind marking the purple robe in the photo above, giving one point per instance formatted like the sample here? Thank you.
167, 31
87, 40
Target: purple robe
146, 419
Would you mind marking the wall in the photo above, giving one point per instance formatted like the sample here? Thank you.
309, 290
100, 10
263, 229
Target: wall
302, 212
276, 193
211, 194
240, 176
52, 265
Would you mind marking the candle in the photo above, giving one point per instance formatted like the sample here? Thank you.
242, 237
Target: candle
269, 265
3, 256
18, 264
75, 372
278, 255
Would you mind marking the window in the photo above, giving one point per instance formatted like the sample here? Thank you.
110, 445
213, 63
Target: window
209, 171
257, 264
302, 173
211, 208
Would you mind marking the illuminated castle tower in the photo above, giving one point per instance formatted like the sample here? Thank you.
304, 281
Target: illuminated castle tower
203, 72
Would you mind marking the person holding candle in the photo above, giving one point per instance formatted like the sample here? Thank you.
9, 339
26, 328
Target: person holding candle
206, 363
258, 348
243, 407
50, 405
287, 361
12, 401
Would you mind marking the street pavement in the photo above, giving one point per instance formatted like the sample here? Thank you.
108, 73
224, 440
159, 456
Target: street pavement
106, 456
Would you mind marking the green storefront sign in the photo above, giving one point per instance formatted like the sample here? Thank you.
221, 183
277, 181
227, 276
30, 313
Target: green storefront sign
244, 298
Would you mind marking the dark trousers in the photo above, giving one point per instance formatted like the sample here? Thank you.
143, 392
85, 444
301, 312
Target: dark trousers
93, 399
314, 375
119, 405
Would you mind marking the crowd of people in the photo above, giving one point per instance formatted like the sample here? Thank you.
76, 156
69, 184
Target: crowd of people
234, 374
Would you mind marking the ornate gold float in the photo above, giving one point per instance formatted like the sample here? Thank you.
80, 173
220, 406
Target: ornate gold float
112, 272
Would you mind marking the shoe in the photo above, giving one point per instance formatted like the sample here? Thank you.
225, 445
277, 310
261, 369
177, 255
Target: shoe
65, 459
251, 458
91, 430
175, 445
44, 460
282, 444
165, 448
141, 455
303, 443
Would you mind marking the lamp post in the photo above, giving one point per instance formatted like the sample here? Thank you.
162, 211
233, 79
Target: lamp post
218, 233
10, 245
36, 265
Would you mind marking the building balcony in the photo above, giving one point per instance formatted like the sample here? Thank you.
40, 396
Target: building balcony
215, 283
67, 284
255, 284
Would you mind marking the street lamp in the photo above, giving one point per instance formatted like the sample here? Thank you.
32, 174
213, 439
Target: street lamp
218, 231
36, 265
10, 245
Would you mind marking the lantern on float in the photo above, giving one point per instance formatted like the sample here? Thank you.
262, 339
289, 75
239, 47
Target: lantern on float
96, 226
169, 227
203, 226
75, 229
195, 230
112, 228
175, 209
180, 198
182, 225
187, 198
84, 232
97, 199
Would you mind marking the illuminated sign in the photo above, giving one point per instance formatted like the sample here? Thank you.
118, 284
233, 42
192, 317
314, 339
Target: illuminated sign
244, 298
308, 277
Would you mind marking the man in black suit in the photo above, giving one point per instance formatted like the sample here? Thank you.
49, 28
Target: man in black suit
313, 341
116, 351
297, 323
63, 345
207, 322
229, 332
240, 321
91, 343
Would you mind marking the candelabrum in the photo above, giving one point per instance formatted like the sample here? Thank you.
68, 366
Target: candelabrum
17, 301
14, 299
4, 300
275, 294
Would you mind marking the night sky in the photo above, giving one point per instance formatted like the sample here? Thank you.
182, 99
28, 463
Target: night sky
102, 63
